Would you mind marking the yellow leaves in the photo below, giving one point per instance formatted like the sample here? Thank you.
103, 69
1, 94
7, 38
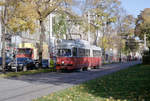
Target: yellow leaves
51, 95
2, 3
112, 19
22, 16
47, 7
112, 99
68, 96
81, 87
44, 96
17, 25
146, 15
105, 42
68, 1
95, 1
88, 27
27, 10
111, 42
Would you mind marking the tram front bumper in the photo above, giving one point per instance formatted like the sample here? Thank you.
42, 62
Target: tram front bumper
68, 66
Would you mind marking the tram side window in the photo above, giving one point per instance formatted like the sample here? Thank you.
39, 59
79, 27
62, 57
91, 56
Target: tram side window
64, 52
100, 53
96, 53
87, 52
81, 52
74, 51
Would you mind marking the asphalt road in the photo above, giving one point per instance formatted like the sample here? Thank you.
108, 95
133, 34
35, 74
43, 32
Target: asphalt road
26, 88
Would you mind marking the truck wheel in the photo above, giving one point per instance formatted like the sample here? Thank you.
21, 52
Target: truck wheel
24, 68
84, 68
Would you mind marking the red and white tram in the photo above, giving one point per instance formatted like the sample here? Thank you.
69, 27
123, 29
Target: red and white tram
77, 54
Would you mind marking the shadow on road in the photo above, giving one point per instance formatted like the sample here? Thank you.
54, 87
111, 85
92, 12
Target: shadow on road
71, 77
57, 81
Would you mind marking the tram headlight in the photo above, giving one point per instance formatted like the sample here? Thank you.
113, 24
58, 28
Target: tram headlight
21, 65
62, 62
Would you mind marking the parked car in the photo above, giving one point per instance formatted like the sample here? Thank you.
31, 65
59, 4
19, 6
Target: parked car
7, 62
45, 63
23, 64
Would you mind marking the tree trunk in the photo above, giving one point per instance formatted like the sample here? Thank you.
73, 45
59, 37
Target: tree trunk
3, 50
3, 38
96, 38
104, 55
42, 36
103, 49
120, 59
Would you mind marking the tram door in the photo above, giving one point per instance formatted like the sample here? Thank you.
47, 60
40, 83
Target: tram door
74, 55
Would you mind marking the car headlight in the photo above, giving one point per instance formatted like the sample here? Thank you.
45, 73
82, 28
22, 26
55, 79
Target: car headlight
20, 64
14, 64
9, 64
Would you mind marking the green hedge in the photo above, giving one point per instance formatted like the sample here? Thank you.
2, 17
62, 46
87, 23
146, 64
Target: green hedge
146, 53
146, 57
52, 64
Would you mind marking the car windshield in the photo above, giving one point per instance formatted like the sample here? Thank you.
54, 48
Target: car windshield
7, 58
44, 61
24, 51
64, 52
21, 59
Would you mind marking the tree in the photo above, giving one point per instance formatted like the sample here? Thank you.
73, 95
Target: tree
125, 29
60, 25
132, 45
104, 20
16, 17
107, 42
102, 15
23, 15
44, 8
3, 20
143, 25
63, 23
127, 33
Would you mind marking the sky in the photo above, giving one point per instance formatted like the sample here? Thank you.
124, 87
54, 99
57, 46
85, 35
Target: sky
134, 7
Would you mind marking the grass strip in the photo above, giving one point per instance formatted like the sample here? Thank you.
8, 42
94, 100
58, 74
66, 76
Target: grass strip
132, 84
29, 72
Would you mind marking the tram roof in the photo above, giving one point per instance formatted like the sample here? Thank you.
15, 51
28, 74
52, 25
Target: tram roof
77, 43
109, 52
95, 47
73, 43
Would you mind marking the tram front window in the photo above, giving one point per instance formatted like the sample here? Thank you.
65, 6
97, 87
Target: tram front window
64, 52
24, 51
